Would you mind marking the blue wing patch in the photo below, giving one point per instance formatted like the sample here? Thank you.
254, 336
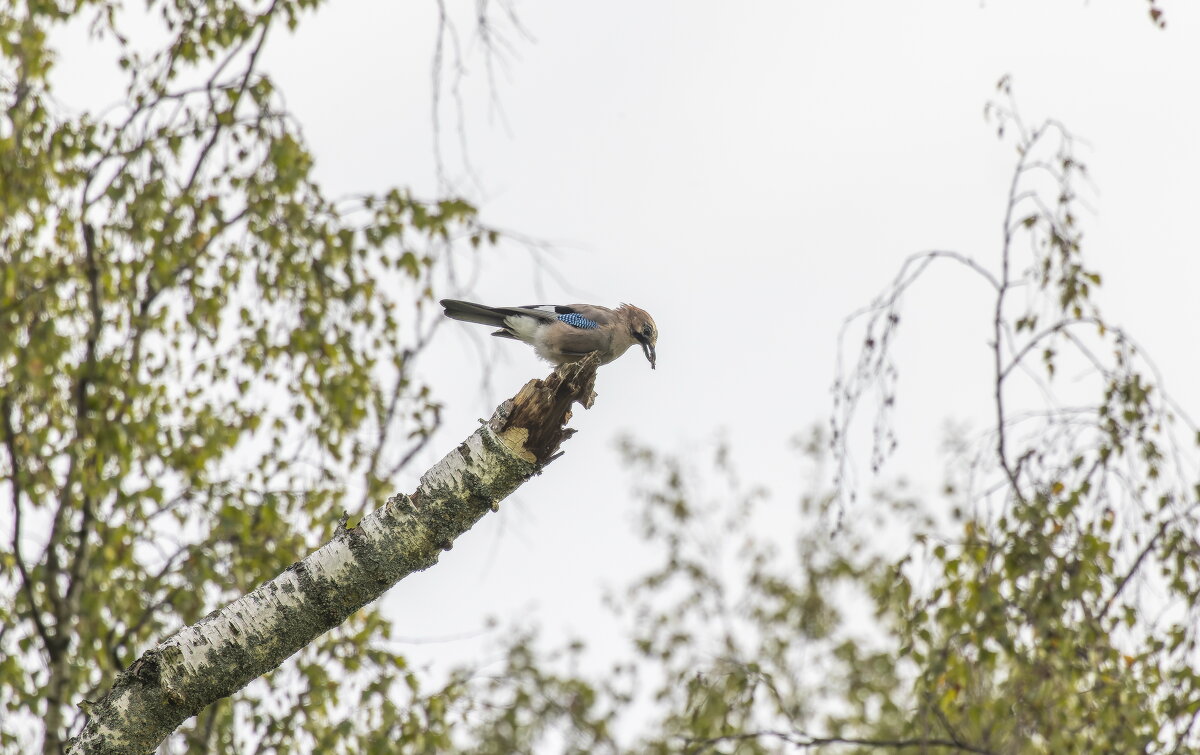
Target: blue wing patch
578, 321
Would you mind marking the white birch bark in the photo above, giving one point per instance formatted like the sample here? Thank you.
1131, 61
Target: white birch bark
255, 633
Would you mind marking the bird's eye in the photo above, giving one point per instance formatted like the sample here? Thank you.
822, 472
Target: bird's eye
646, 331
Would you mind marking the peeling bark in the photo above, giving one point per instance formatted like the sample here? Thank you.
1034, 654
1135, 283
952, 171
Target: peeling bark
254, 634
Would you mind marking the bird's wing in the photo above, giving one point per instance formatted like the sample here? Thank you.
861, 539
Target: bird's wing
536, 311
599, 315
495, 316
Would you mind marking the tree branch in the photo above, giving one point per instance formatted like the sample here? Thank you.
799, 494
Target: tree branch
254, 634
998, 323
87, 374
26, 578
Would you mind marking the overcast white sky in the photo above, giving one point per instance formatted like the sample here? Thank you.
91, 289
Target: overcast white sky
749, 173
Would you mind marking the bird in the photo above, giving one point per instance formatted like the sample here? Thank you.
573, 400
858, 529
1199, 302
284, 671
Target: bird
566, 333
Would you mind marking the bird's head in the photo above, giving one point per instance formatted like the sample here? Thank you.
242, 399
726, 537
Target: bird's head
642, 329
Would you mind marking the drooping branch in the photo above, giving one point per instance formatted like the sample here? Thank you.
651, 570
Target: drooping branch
254, 634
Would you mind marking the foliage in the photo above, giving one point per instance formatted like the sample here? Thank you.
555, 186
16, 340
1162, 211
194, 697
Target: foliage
203, 361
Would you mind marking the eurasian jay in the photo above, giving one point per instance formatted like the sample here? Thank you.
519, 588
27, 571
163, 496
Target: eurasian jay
563, 334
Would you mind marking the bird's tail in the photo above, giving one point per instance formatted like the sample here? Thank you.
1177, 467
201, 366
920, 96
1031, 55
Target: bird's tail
471, 312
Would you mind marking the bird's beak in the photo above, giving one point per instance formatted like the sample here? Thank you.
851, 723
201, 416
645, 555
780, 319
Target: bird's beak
648, 350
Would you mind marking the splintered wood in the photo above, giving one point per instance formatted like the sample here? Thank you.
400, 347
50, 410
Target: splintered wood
542, 409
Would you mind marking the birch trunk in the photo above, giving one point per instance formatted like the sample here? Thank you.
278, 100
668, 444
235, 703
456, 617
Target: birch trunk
255, 633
